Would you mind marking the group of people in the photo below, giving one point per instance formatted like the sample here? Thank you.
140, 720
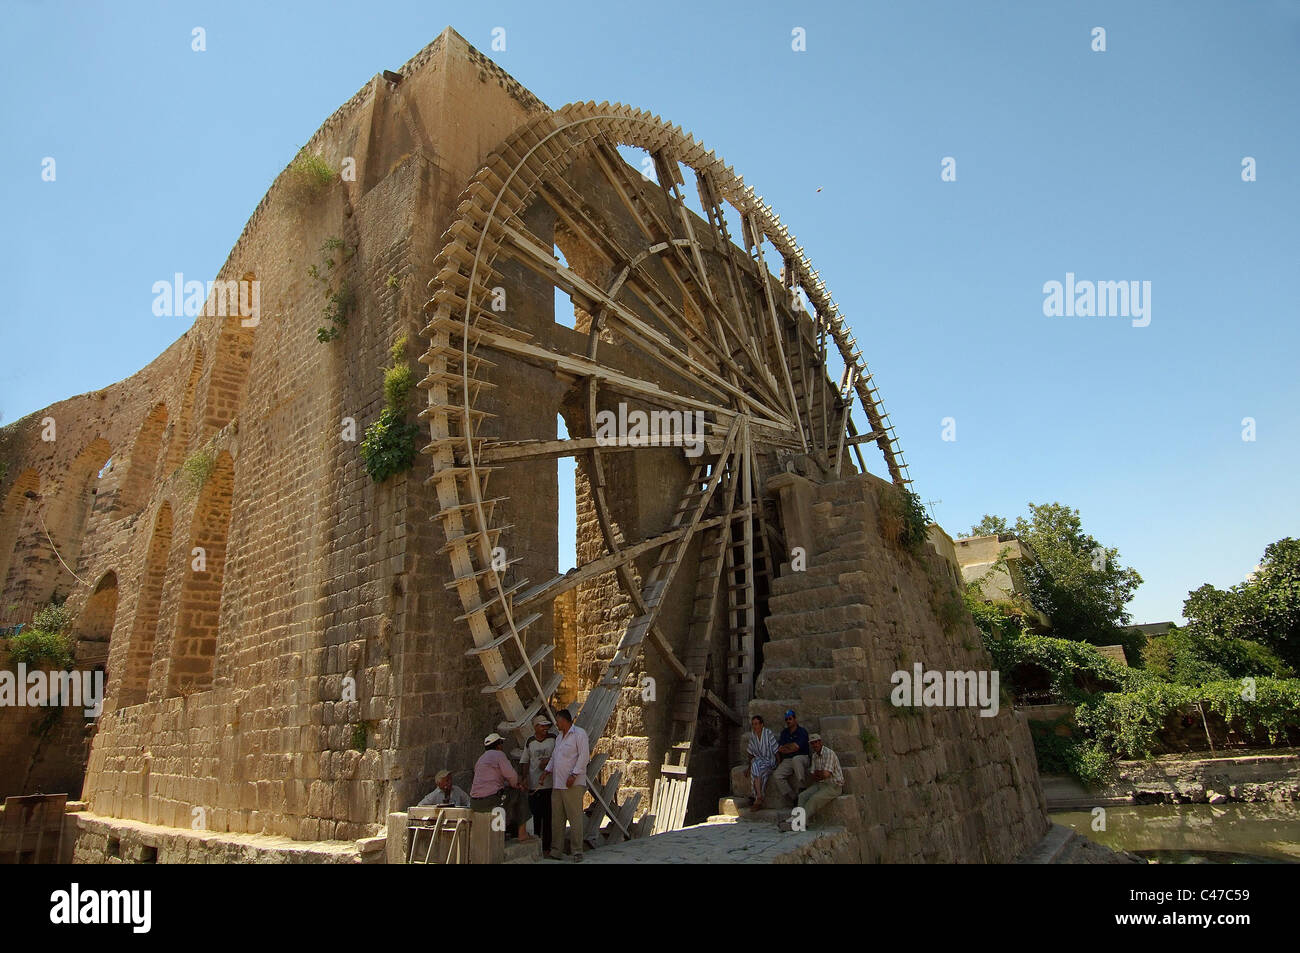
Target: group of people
548, 786
800, 764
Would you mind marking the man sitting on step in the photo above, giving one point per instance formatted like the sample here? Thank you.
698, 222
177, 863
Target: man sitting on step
794, 757
445, 794
498, 784
827, 776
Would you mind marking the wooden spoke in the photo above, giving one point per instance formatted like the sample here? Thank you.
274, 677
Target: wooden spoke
682, 316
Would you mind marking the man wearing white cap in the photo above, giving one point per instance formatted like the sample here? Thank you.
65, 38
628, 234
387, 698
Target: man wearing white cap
498, 784
568, 766
445, 794
537, 752
827, 777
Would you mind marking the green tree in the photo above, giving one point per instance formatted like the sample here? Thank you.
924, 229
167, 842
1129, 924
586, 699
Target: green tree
1077, 582
1191, 657
1264, 609
989, 526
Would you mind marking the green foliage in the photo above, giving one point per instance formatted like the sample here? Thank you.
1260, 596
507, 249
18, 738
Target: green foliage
339, 301
1078, 583
870, 745
310, 175
1069, 754
399, 378
55, 617
1075, 671
198, 468
1190, 657
398, 382
1130, 723
37, 648
360, 731
392, 280
989, 526
338, 308
995, 620
389, 445
904, 517
1264, 609
916, 521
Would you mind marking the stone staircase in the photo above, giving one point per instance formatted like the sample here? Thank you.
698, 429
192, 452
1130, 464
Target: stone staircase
921, 784
814, 627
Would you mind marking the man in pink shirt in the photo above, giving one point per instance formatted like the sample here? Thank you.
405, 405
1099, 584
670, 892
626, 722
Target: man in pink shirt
497, 784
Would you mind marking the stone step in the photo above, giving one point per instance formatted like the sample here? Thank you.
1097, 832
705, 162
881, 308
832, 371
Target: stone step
812, 598
828, 574
821, 621
817, 650
790, 682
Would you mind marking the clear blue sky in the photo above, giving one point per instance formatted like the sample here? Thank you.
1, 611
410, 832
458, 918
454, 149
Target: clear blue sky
1122, 165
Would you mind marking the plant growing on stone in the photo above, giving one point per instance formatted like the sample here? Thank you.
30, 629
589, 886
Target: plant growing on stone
46, 642
310, 175
339, 301
38, 649
904, 518
390, 442
198, 468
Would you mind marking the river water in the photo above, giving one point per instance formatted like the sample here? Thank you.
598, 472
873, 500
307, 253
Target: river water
1197, 833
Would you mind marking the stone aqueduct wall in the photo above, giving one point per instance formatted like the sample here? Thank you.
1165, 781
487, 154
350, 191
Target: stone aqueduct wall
226, 686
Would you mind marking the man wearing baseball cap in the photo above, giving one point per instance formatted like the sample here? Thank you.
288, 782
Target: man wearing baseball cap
795, 756
537, 752
497, 784
445, 794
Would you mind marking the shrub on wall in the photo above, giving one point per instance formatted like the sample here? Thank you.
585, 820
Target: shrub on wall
198, 468
390, 442
309, 176
45, 643
36, 648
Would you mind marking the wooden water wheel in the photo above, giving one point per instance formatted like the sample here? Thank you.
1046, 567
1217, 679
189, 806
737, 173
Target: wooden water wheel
677, 313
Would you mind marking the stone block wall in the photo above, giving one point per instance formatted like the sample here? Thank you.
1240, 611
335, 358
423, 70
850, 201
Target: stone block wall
301, 678
939, 784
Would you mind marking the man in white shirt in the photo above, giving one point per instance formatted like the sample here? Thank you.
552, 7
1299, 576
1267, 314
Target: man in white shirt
537, 752
568, 768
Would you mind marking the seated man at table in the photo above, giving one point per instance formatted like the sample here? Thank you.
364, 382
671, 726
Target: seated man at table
445, 794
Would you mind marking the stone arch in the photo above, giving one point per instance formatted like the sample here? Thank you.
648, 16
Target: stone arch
12, 518
194, 643
134, 685
178, 444
229, 378
36, 568
94, 628
144, 460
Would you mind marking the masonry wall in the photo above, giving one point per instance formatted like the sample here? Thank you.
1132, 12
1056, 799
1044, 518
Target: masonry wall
927, 784
297, 679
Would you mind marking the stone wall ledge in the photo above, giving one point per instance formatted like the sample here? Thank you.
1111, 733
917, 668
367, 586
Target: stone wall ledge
1177, 779
138, 842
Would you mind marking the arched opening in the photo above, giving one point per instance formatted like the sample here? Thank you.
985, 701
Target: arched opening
229, 376
134, 686
61, 528
144, 461
194, 644
179, 444
13, 518
94, 627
